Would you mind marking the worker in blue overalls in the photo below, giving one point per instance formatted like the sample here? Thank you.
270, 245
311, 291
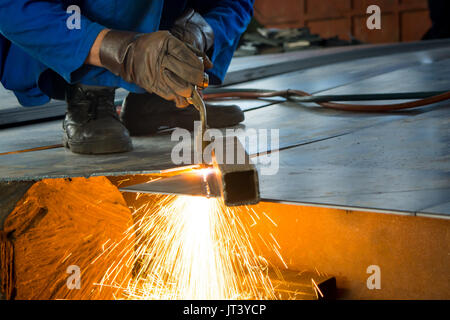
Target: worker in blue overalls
158, 50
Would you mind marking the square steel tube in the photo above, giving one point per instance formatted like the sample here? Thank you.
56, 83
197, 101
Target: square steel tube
238, 179
232, 176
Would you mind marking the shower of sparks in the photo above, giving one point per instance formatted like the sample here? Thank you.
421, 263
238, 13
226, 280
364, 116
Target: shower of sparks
192, 248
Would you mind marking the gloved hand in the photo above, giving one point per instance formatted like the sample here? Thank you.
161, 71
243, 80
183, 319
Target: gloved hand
157, 62
191, 28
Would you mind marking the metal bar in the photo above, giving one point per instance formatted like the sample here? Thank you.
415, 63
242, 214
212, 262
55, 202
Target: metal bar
196, 183
232, 177
237, 175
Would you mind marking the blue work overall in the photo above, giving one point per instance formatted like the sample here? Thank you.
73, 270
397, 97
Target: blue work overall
39, 53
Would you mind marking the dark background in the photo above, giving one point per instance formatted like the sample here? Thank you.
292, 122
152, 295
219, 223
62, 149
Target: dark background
402, 20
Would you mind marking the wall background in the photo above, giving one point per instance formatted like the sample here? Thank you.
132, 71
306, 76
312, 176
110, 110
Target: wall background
402, 20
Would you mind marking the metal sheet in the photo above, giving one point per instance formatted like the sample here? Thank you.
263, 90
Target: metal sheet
14, 113
247, 105
431, 74
328, 76
396, 161
149, 155
440, 209
257, 67
50, 133
299, 124
11, 112
188, 183
31, 136
251, 68
235, 181
310, 80
402, 165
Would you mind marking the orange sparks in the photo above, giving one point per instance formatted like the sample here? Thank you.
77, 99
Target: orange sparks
194, 248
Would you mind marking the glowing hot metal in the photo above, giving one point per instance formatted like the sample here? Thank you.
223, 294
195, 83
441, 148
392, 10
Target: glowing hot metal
236, 183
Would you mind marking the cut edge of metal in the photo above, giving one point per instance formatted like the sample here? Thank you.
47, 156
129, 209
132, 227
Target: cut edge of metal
433, 215
186, 183
95, 174
237, 183
359, 209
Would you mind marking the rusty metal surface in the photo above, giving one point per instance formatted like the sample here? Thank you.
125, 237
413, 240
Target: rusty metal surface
344, 243
11, 193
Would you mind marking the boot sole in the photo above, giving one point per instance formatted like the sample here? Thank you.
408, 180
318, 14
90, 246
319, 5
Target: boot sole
99, 146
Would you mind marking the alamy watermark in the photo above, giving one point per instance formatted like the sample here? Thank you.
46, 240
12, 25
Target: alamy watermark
374, 280
264, 143
74, 280
73, 22
374, 20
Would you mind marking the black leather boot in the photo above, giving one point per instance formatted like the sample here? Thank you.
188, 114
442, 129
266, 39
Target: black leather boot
92, 125
145, 113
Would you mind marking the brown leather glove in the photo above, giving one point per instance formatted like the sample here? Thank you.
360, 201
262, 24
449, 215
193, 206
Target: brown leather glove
191, 28
157, 62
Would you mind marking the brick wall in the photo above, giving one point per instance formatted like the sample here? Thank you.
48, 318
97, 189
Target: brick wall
402, 20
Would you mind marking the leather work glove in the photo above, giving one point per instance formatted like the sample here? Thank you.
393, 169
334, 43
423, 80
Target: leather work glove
191, 28
158, 62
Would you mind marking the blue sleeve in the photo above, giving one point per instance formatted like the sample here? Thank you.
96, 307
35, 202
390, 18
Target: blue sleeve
40, 29
229, 19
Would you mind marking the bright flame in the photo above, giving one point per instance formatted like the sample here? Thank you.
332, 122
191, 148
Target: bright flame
193, 248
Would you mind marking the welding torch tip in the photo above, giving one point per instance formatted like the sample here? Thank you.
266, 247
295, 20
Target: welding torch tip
205, 83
